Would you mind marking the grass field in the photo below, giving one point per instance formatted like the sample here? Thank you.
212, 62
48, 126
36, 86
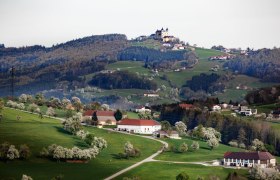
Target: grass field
202, 154
149, 43
160, 170
40, 133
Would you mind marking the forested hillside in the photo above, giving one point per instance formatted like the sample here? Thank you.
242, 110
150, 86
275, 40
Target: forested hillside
263, 63
73, 58
122, 80
267, 95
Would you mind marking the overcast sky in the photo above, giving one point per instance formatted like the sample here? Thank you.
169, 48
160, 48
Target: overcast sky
232, 23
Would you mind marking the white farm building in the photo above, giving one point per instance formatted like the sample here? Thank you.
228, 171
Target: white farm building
141, 126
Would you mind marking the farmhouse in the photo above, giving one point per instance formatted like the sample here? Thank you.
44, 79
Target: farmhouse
164, 134
103, 117
249, 159
216, 108
142, 109
151, 95
141, 126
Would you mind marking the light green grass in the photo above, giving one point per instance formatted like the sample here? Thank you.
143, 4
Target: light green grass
131, 66
132, 115
201, 155
160, 170
40, 133
149, 43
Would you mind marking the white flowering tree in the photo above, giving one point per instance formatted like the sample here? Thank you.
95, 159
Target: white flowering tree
213, 143
32, 107
23, 98
65, 102
99, 142
195, 145
50, 111
12, 153
77, 103
181, 128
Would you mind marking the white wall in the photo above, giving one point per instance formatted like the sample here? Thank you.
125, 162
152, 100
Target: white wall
141, 129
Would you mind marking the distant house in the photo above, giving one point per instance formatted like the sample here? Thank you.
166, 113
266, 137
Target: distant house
142, 109
249, 159
164, 134
216, 108
103, 117
150, 95
141, 126
186, 106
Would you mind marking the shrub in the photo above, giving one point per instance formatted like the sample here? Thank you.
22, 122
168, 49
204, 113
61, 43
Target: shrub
24, 151
12, 153
25, 177
183, 147
182, 176
195, 145
89, 139
233, 143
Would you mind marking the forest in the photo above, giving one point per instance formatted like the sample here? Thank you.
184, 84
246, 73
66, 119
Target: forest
263, 64
266, 95
122, 80
157, 59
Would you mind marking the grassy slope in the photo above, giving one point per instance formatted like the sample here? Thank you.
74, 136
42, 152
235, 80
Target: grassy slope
202, 154
170, 171
40, 133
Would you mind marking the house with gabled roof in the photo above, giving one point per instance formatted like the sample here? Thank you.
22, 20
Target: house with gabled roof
141, 126
103, 117
249, 159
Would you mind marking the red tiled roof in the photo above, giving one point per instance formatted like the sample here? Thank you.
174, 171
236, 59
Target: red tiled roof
88, 113
186, 106
249, 155
99, 113
138, 122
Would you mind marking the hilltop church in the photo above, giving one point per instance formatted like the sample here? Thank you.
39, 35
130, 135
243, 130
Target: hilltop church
164, 36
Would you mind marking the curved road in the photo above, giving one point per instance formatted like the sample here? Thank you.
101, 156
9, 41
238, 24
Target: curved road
148, 159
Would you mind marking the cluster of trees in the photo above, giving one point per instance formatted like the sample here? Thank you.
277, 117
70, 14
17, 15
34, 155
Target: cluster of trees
10, 152
266, 95
183, 147
73, 124
53, 102
16, 105
209, 134
263, 64
260, 174
205, 82
122, 80
129, 151
61, 153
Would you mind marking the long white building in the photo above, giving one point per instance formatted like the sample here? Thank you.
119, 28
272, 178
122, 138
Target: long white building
141, 126
249, 159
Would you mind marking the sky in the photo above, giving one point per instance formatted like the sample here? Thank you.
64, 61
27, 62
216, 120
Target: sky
231, 23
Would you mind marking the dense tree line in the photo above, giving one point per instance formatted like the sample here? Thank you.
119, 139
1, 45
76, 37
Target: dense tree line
122, 80
157, 59
263, 63
228, 126
267, 95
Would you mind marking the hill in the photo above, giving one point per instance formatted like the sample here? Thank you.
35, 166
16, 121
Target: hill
37, 133
263, 64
